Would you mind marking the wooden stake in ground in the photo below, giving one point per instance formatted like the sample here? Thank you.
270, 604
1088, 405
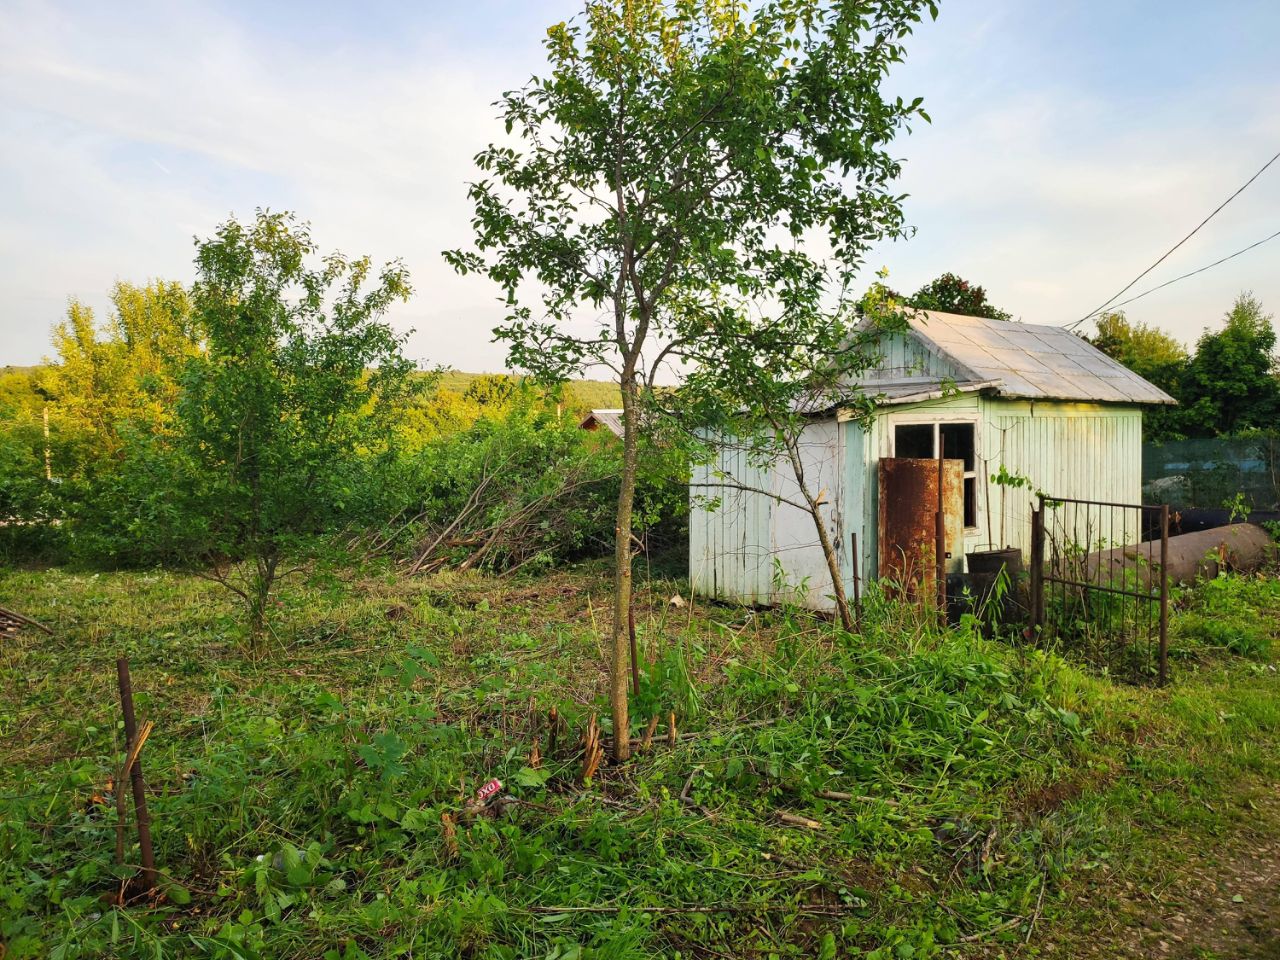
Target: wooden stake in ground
135, 774
647, 743
132, 750
21, 619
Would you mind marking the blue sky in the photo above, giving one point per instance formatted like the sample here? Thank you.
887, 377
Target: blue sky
1071, 144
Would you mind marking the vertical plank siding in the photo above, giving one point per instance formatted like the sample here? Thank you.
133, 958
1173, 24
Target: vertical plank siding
1083, 451
742, 532
728, 526
904, 356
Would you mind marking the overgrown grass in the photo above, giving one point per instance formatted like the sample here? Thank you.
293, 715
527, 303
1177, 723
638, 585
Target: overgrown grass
304, 805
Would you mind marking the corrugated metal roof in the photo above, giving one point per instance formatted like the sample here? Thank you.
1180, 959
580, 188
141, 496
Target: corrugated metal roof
611, 420
1030, 361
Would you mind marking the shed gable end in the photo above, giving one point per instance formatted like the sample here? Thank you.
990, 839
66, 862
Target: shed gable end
904, 356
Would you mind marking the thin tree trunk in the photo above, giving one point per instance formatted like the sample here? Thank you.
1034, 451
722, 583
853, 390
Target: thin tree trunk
824, 538
621, 645
833, 567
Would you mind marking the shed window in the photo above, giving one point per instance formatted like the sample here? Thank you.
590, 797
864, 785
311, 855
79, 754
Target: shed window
921, 440
914, 440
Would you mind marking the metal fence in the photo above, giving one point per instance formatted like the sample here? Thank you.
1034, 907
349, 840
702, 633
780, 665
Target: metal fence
1210, 473
1100, 585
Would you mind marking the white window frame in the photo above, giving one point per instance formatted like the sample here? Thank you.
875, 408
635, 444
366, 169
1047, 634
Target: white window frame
936, 420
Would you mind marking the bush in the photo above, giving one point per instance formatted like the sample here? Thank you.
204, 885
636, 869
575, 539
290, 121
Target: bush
29, 503
1231, 613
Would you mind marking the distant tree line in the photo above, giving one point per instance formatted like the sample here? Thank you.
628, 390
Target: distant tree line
1229, 385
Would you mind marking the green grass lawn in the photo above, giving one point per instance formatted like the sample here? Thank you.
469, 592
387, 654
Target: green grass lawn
904, 793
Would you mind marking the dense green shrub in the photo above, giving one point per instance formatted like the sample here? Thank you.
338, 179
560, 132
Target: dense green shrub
29, 503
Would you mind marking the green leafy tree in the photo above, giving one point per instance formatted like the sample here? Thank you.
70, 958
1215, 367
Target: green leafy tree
952, 294
23, 465
301, 382
1230, 384
664, 175
1155, 356
1141, 347
121, 376
96, 422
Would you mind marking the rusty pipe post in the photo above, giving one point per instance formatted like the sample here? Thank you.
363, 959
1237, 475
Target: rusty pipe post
940, 534
135, 775
1037, 570
857, 592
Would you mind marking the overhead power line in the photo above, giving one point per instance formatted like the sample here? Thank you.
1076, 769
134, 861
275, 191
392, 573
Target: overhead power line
1207, 266
1129, 286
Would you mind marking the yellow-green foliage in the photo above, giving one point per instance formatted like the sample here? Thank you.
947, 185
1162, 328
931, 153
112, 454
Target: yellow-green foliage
461, 399
123, 372
578, 396
19, 391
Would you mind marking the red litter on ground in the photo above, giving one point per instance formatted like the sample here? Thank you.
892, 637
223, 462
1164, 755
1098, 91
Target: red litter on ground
488, 790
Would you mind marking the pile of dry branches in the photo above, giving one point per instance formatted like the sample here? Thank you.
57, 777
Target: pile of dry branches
501, 526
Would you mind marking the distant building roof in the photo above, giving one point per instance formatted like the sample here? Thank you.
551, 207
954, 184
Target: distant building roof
611, 420
1020, 360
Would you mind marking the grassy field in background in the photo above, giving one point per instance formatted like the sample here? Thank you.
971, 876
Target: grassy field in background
580, 395
17, 386
905, 793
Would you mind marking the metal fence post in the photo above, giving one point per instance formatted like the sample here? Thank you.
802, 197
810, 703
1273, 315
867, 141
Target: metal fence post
1164, 594
940, 538
1037, 570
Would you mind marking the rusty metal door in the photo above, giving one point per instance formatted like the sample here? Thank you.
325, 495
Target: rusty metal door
908, 508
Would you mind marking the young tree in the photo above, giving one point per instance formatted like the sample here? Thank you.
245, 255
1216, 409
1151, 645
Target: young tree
1231, 383
670, 165
758, 388
299, 382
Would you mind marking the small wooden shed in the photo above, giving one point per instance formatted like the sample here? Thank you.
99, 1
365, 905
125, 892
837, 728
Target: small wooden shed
1037, 400
610, 420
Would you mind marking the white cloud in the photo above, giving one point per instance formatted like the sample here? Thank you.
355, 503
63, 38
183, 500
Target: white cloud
1054, 192
375, 155
128, 130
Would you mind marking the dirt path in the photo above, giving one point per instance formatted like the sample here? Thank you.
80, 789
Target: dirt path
1221, 903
